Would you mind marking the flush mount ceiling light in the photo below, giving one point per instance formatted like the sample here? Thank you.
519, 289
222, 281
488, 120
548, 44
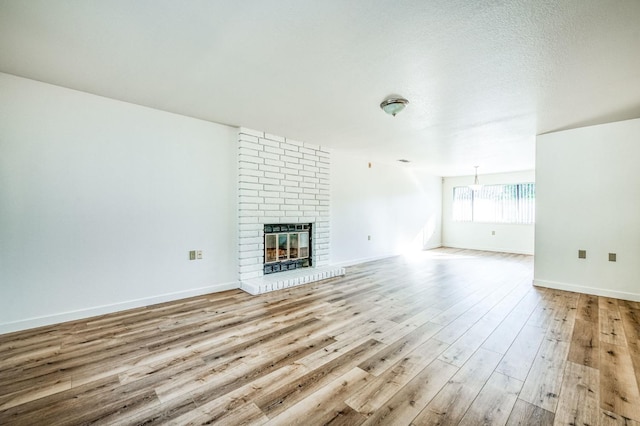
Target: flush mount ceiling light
476, 184
393, 105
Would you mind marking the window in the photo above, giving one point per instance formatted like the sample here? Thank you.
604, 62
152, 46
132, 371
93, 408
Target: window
511, 203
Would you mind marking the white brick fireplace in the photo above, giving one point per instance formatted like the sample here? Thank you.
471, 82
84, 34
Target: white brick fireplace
281, 181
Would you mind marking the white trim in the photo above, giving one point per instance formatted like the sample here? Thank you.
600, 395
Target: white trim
495, 250
61, 317
365, 259
588, 290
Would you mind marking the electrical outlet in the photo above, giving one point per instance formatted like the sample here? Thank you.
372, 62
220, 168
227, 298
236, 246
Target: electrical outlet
582, 254
192, 255
368, 237
199, 254
612, 257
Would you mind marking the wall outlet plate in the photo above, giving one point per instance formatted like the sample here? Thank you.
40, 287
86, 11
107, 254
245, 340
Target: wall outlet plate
199, 254
192, 255
582, 254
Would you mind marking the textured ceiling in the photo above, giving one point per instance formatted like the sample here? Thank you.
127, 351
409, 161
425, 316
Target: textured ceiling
482, 77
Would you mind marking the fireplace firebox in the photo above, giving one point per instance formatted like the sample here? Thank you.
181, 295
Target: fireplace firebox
287, 247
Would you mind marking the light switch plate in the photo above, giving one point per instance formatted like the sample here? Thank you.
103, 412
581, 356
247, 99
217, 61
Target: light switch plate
612, 257
199, 254
582, 254
192, 255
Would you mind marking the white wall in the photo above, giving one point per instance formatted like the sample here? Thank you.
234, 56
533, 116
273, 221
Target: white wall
588, 197
508, 238
397, 206
100, 202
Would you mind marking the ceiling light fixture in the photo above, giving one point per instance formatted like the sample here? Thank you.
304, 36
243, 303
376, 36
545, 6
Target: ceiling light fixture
393, 105
476, 184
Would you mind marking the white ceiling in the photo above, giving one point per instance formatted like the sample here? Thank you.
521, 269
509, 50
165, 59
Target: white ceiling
483, 77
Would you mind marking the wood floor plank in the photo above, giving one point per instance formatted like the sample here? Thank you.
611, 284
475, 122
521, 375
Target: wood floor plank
407, 326
224, 351
631, 322
294, 391
588, 308
371, 326
460, 325
246, 415
519, 358
561, 325
585, 340
608, 418
35, 392
450, 404
543, 383
618, 387
494, 403
361, 348
544, 313
395, 351
77, 404
216, 408
161, 414
109, 358
213, 383
405, 405
463, 348
607, 303
585, 344
459, 308
579, 402
382, 388
25, 341
503, 336
241, 414
526, 414
13, 359
331, 352
326, 405
611, 327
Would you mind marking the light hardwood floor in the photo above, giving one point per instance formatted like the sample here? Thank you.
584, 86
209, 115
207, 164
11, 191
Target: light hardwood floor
444, 337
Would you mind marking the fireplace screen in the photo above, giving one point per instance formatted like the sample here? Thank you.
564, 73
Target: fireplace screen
270, 248
283, 246
286, 247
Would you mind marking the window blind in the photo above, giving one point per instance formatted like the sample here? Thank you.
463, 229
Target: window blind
505, 203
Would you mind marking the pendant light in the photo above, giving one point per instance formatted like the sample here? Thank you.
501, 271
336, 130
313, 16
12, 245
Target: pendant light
476, 183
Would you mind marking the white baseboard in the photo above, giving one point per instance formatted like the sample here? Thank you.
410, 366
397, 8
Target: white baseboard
28, 323
605, 292
380, 257
493, 249
432, 247
364, 260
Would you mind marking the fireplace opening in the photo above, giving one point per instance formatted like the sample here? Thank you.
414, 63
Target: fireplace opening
287, 247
